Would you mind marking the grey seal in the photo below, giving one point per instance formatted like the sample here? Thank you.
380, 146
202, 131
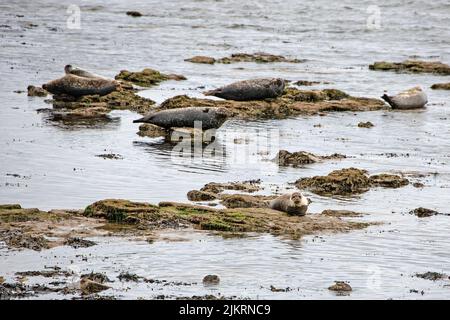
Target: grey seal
80, 86
413, 98
295, 204
186, 117
69, 69
256, 89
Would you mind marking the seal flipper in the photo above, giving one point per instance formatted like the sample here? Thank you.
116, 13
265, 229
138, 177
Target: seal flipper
388, 99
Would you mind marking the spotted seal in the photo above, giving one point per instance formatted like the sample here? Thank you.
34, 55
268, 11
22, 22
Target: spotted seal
77, 86
413, 98
256, 89
295, 204
69, 69
187, 117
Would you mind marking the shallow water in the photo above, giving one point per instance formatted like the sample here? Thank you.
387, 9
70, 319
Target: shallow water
58, 167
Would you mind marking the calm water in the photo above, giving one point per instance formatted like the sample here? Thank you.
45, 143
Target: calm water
58, 167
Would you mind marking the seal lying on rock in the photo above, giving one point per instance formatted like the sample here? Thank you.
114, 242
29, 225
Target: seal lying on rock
77, 86
187, 117
295, 204
69, 69
409, 99
256, 89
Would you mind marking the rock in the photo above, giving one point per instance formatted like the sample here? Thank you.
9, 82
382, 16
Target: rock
388, 181
89, 287
349, 181
134, 14
211, 279
423, 212
10, 206
201, 59
259, 57
96, 277
120, 210
245, 186
177, 135
412, 66
341, 213
112, 156
433, 276
367, 124
77, 243
147, 77
129, 277
292, 102
274, 289
16, 238
244, 201
306, 83
2, 280
151, 131
299, 158
340, 286
196, 195
441, 86
36, 92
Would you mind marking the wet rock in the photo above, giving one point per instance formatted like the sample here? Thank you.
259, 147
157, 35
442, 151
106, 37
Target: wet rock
134, 14
151, 131
292, 102
418, 185
340, 286
274, 289
211, 279
245, 186
2, 280
12, 291
300, 158
245, 201
77, 243
88, 287
96, 277
441, 86
306, 83
201, 59
45, 273
367, 124
433, 276
115, 210
388, 181
338, 182
423, 212
147, 77
259, 57
129, 277
112, 156
36, 92
18, 239
197, 195
412, 66
10, 206
194, 135
341, 213
349, 181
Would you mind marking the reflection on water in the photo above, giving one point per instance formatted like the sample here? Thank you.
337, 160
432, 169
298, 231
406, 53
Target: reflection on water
62, 170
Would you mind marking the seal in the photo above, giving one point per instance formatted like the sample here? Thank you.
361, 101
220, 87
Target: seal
209, 118
80, 86
413, 98
69, 69
295, 204
256, 89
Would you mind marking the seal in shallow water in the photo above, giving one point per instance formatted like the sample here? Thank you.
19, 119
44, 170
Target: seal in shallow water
409, 99
295, 204
256, 89
187, 117
69, 69
80, 86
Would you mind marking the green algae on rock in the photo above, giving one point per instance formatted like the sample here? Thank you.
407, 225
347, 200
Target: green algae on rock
293, 102
412, 66
441, 86
349, 181
201, 59
147, 77
259, 57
